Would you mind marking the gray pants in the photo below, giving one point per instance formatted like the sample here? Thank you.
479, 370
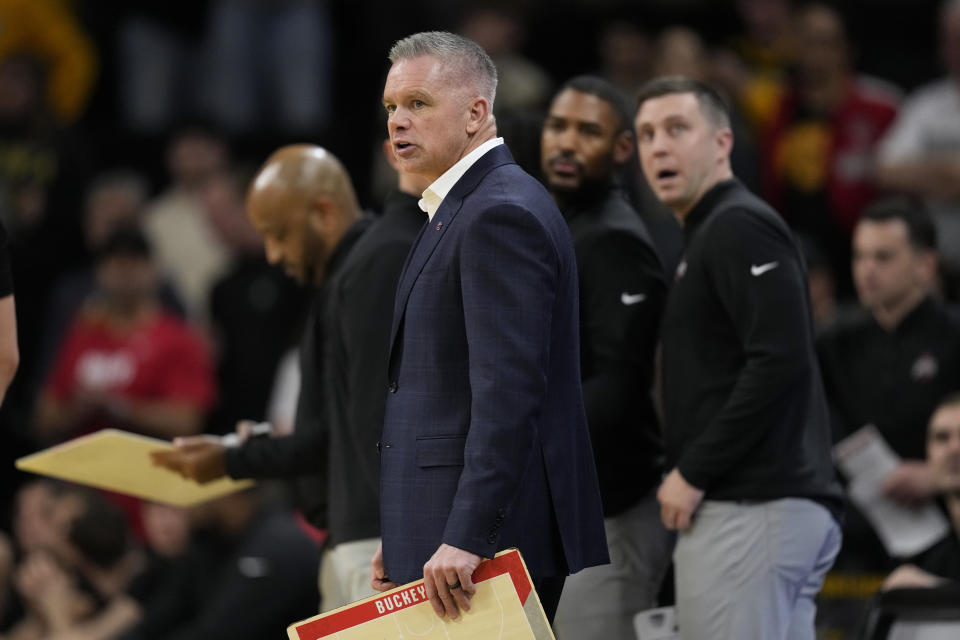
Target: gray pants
752, 570
600, 602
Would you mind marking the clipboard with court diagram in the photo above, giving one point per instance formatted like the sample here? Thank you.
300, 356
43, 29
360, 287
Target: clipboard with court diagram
505, 607
120, 461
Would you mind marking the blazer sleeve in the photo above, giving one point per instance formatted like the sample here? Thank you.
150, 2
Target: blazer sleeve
509, 271
304, 450
282, 457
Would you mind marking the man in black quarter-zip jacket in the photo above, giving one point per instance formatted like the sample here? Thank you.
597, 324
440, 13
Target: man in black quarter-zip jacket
303, 204
586, 146
752, 489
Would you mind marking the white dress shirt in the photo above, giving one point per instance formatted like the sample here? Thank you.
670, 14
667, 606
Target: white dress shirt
440, 187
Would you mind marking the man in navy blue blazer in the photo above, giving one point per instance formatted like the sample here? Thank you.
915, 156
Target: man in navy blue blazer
485, 444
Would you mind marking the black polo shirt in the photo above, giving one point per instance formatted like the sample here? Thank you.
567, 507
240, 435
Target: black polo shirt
622, 292
746, 416
943, 558
891, 379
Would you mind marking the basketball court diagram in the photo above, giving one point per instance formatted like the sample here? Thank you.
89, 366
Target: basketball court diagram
504, 607
495, 614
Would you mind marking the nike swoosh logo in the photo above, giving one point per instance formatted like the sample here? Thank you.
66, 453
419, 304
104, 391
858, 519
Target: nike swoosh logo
759, 270
629, 299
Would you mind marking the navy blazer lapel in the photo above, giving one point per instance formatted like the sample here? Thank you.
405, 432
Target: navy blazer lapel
435, 229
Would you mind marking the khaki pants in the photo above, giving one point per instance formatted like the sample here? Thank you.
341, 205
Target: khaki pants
345, 573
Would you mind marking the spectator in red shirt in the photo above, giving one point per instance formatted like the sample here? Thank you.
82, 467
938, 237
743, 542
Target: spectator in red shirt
125, 362
820, 137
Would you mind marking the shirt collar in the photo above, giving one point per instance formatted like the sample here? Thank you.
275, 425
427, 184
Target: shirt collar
925, 309
438, 190
705, 206
346, 243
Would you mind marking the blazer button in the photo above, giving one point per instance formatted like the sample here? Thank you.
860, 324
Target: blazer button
492, 538
392, 388
379, 446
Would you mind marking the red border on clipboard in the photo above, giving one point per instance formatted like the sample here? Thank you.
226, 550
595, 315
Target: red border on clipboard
367, 610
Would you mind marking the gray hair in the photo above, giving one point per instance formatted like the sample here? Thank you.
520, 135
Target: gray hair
463, 56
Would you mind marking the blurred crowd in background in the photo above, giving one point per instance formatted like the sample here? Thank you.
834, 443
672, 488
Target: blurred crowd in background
129, 132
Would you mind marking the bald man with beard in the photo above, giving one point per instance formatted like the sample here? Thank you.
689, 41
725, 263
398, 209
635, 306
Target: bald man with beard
303, 204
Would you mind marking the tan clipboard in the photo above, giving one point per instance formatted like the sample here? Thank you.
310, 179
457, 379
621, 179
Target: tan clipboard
505, 607
120, 461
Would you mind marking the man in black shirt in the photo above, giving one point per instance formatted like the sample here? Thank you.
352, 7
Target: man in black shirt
247, 573
752, 488
303, 204
940, 564
587, 140
892, 364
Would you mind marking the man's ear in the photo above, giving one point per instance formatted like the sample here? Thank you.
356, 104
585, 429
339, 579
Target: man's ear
478, 115
927, 262
724, 142
321, 212
624, 147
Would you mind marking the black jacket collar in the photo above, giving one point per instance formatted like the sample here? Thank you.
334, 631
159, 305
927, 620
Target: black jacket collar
707, 204
346, 243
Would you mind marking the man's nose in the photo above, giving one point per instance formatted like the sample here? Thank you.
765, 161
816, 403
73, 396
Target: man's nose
567, 140
954, 443
867, 266
273, 251
399, 119
659, 144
